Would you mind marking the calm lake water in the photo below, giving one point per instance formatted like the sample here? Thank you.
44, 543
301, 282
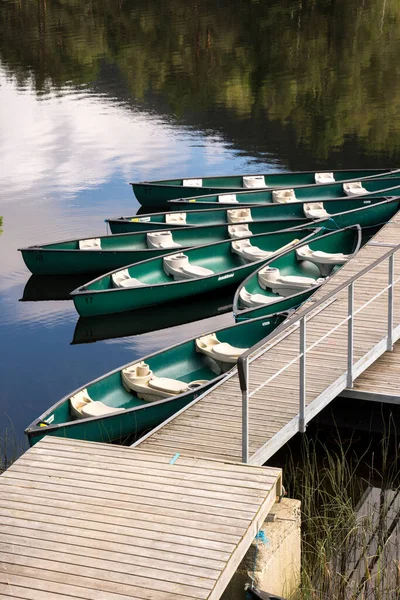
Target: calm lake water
96, 94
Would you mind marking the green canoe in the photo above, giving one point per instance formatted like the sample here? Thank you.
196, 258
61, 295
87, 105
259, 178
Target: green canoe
152, 318
268, 212
179, 275
157, 193
144, 393
106, 253
335, 191
285, 282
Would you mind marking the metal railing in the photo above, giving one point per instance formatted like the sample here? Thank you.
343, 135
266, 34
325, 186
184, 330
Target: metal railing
299, 322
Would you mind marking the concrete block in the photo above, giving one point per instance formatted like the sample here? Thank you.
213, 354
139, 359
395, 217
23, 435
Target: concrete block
272, 562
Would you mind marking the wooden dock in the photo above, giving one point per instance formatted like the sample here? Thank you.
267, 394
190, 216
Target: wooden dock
212, 425
103, 522
381, 381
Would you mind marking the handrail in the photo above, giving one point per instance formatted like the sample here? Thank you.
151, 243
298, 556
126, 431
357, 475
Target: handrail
300, 320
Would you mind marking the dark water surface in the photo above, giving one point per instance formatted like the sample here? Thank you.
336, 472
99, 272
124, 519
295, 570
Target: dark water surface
96, 94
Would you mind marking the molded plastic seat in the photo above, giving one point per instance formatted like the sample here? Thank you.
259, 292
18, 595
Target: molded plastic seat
82, 406
248, 252
285, 285
192, 182
221, 351
99, 409
284, 196
179, 267
324, 178
315, 210
122, 279
228, 199
170, 386
254, 181
354, 188
178, 218
161, 239
239, 231
92, 244
324, 260
238, 215
251, 300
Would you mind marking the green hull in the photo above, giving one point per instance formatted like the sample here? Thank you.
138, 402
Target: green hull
181, 362
157, 287
65, 258
346, 241
157, 193
316, 193
378, 211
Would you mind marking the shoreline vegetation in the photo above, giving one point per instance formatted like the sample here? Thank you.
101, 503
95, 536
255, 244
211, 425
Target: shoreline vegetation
350, 507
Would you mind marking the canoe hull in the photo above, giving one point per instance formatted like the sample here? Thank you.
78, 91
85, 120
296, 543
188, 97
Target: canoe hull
121, 424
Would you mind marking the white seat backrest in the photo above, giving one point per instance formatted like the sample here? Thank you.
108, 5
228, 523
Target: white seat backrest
355, 188
228, 199
239, 245
192, 182
92, 244
176, 218
270, 274
237, 215
206, 341
283, 196
254, 181
175, 262
324, 178
239, 231
160, 239
314, 210
120, 276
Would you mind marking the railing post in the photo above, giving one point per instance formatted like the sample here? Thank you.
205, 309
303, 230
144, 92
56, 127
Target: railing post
390, 303
302, 390
350, 334
245, 412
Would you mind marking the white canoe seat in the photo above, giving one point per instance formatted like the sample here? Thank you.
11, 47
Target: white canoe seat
82, 406
254, 181
324, 260
192, 182
122, 279
285, 285
176, 218
284, 196
324, 178
239, 231
248, 252
220, 351
228, 199
315, 210
139, 378
92, 244
354, 188
251, 300
180, 268
238, 215
161, 239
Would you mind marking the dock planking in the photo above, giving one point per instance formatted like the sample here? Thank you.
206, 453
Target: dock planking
211, 426
97, 521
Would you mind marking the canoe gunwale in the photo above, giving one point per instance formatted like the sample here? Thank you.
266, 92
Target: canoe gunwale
83, 290
33, 428
382, 173
238, 312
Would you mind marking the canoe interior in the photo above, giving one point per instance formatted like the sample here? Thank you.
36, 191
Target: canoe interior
218, 257
384, 186
180, 362
346, 241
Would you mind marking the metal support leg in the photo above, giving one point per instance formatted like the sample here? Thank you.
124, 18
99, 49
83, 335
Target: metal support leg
245, 416
390, 303
350, 335
302, 411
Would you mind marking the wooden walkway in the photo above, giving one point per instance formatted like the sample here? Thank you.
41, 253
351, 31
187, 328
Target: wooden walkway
212, 425
381, 381
103, 522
